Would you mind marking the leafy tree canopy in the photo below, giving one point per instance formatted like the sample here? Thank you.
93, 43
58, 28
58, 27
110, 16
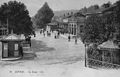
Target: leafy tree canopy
17, 16
44, 16
100, 28
106, 5
96, 7
93, 30
116, 14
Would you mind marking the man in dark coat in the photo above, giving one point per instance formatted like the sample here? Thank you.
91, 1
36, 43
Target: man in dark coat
21, 50
69, 38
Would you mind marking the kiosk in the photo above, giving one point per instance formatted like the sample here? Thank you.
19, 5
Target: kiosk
110, 52
11, 47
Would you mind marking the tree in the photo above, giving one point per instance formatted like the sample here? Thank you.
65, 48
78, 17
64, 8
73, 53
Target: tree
106, 5
17, 16
93, 30
44, 16
96, 7
116, 14
108, 20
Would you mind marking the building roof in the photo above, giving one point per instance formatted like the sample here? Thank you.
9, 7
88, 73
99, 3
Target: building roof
13, 37
109, 44
110, 8
92, 10
53, 23
78, 14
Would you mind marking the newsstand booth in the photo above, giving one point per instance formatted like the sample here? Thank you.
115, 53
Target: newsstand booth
105, 55
110, 52
11, 47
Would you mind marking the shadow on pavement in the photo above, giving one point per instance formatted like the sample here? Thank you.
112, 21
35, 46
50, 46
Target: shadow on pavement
39, 46
28, 56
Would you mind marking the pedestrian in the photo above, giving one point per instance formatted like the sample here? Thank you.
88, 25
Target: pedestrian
30, 40
40, 31
47, 33
69, 38
21, 50
58, 34
75, 40
34, 34
44, 34
55, 36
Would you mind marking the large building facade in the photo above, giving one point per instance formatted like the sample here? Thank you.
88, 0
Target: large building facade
75, 23
70, 24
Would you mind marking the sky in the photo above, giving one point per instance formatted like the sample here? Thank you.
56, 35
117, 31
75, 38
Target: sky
34, 5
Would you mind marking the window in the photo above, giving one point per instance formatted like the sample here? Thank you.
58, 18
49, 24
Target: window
16, 52
16, 46
5, 46
5, 50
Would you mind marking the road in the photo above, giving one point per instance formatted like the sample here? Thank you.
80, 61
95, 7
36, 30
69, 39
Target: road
53, 58
49, 52
59, 50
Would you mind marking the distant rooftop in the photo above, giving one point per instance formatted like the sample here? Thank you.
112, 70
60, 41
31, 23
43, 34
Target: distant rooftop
93, 10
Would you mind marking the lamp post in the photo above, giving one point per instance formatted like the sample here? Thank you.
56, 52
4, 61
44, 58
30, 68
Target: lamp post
85, 57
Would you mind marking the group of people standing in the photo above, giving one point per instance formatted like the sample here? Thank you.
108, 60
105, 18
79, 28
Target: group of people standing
57, 35
69, 38
28, 40
44, 33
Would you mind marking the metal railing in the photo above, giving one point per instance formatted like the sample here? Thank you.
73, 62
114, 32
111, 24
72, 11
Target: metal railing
102, 64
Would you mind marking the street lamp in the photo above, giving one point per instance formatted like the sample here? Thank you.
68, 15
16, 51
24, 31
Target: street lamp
85, 56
